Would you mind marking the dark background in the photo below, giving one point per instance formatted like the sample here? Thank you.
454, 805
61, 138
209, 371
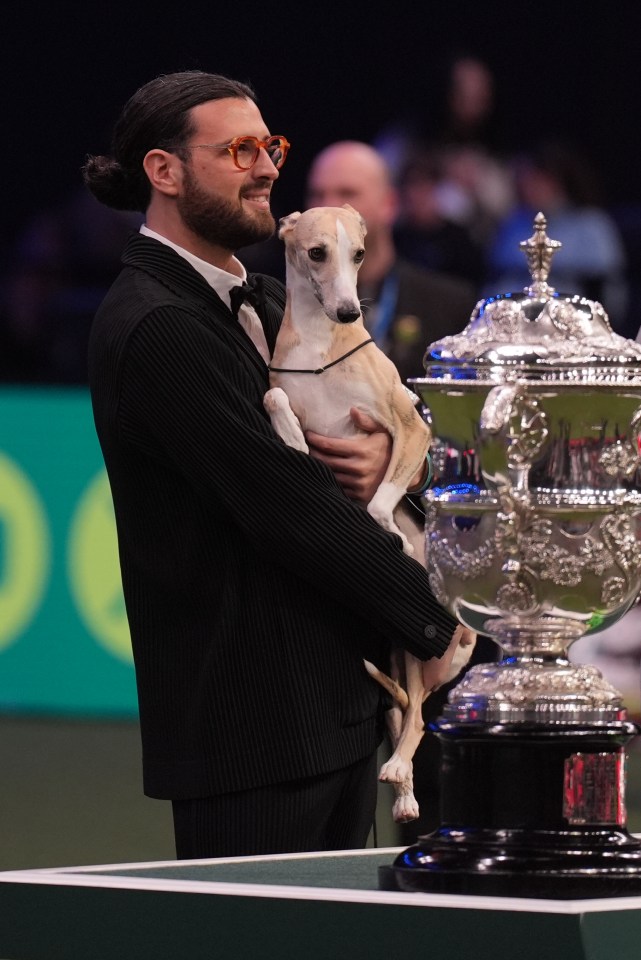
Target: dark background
322, 71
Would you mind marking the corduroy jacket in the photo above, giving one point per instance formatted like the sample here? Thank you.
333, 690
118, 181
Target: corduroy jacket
253, 586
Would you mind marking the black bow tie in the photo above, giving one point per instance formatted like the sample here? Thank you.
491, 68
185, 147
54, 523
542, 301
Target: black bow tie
251, 292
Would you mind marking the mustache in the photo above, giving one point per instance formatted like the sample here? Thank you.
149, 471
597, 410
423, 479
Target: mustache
262, 183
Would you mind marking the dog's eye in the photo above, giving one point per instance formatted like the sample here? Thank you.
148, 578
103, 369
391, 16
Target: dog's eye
359, 255
316, 253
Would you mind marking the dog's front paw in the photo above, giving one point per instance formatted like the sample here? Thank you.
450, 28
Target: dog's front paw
283, 419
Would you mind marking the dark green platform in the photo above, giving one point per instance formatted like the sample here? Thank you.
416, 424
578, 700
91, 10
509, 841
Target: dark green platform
308, 907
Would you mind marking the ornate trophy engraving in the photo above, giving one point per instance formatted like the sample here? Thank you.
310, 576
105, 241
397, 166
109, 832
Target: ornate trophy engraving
533, 537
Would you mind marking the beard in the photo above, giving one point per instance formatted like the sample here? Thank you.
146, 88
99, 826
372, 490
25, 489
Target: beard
219, 221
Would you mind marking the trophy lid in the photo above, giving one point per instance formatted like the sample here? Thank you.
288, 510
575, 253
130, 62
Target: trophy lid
537, 331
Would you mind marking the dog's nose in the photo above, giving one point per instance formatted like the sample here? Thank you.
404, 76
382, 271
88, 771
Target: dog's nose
348, 315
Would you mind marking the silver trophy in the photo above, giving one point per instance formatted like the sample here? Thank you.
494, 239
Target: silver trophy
533, 530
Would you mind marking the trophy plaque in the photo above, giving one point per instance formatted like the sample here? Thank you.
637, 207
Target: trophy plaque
532, 535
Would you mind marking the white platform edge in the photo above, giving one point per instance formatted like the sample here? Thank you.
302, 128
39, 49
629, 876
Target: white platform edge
86, 876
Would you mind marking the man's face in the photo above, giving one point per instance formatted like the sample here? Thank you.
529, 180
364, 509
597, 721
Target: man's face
347, 175
221, 204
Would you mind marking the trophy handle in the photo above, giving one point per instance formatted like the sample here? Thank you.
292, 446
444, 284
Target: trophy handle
513, 430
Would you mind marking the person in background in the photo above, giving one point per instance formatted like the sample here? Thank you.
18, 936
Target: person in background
427, 231
556, 179
405, 307
477, 183
249, 606
453, 159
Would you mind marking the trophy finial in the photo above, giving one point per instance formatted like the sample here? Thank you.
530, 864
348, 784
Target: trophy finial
539, 250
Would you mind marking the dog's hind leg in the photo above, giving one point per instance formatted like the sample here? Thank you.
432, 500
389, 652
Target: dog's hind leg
399, 766
410, 728
405, 806
392, 686
437, 672
284, 420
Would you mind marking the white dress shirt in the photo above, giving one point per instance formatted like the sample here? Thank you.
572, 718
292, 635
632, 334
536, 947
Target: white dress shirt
222, 282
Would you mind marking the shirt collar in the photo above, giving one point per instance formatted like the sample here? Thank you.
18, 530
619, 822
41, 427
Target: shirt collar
221, 280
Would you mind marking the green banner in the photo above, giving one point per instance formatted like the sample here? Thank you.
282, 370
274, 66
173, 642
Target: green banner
64, 638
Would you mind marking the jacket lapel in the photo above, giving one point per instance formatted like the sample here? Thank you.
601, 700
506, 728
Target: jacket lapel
175, 273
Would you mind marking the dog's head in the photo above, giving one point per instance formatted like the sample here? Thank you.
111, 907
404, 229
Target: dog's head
324, 247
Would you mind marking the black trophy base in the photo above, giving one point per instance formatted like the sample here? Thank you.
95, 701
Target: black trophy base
527, 811
503, 863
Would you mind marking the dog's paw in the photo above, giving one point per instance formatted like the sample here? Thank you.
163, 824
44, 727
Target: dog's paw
405, 809
395, 771
283, 419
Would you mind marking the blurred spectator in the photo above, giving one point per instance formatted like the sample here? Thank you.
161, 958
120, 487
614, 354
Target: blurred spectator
627, 216
558, 181
468, 109
462, 129
58, 272
475, 167
405, 308
426, 230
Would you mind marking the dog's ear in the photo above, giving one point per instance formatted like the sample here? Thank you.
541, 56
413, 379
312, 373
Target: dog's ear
287, 224
351, 209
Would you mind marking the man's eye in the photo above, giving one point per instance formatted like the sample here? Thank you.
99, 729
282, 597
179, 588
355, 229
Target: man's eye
316, 253
245, 147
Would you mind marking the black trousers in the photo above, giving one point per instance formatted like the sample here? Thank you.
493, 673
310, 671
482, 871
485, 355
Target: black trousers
333, 811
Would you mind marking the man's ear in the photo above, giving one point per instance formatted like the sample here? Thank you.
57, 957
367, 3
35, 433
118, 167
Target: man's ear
164, 171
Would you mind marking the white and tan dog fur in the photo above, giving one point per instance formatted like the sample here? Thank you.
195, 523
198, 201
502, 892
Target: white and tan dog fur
323, 330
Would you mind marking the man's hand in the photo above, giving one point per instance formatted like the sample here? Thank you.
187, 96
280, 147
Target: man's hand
358, 463
437, 671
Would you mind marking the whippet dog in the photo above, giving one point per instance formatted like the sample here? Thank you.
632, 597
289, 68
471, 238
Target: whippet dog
325, 363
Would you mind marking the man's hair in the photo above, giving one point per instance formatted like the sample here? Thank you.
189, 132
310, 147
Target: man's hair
156, 116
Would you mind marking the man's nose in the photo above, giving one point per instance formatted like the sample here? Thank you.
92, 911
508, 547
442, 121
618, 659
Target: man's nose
264, 166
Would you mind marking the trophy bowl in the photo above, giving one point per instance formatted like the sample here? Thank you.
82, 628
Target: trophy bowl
532, 534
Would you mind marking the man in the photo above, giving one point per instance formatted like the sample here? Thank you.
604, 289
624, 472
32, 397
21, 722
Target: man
405, 307
249, 606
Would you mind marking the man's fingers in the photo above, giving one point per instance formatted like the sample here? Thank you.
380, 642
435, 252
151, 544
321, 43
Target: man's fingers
358, 462
340, 465
330, 446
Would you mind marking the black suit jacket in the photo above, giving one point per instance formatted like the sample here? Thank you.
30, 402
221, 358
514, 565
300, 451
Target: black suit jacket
253, 586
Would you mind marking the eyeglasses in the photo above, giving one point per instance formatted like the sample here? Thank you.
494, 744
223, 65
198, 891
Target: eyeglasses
244, 150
